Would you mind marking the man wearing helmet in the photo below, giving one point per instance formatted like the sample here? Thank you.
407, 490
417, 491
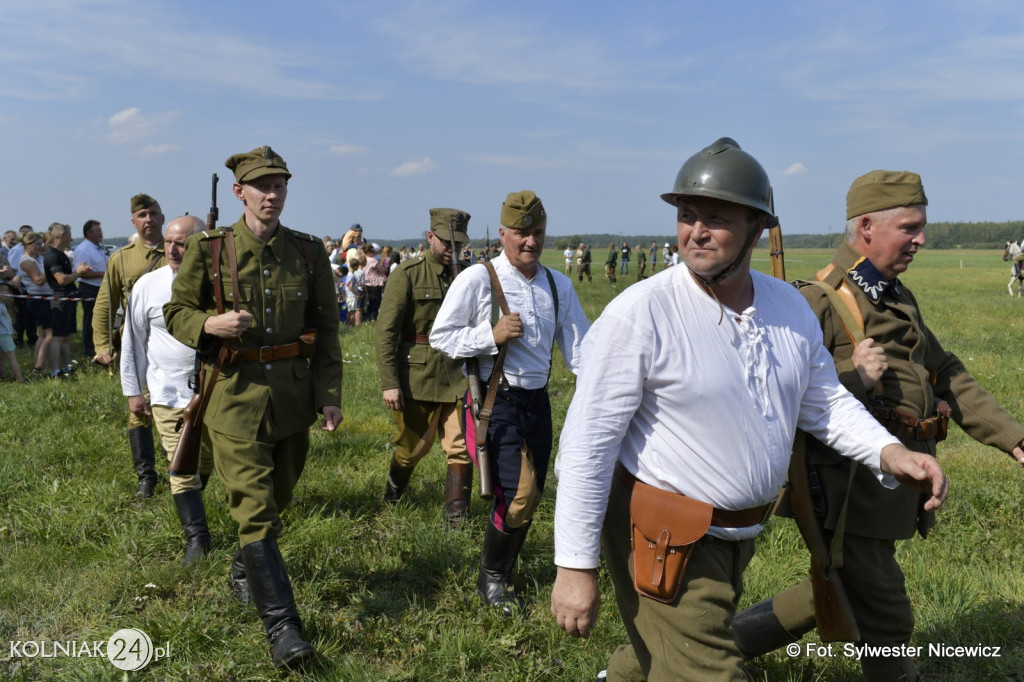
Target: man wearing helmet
740, 346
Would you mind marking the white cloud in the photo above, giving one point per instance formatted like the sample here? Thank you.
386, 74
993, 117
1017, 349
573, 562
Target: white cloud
133, 125
346, 149
158, 149
796, 169
414, 168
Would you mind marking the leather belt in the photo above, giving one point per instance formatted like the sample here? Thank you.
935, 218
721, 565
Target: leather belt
421, 339
265, 353
723, 518
908, 426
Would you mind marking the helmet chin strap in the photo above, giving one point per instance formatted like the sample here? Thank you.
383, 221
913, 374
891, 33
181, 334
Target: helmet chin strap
709, 282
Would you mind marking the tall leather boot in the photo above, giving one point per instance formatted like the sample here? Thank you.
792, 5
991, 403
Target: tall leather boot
140, 439
398, 481
889, 669
457, 484
757, 630
272, 594
239, 584
192, 515
494, 584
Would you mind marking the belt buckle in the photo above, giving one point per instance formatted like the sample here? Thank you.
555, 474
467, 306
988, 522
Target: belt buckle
270, 353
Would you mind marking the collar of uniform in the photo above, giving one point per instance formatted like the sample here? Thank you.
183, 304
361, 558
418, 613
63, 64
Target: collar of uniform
248, 240
436, 266
863, 273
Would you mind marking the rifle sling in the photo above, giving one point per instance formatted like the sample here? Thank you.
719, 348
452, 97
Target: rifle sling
487, 408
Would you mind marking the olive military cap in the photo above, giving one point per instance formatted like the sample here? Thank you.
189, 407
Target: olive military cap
447, 223
257, 163
523, 210
141, 201
882, 189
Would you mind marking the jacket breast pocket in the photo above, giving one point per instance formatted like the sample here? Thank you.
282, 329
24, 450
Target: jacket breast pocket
244, 293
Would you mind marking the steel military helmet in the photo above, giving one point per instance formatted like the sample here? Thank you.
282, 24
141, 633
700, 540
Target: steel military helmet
724, 171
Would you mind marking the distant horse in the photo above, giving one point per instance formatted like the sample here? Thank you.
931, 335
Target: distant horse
1015, 255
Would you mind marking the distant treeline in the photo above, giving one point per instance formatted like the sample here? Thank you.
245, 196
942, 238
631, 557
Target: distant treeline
938, 236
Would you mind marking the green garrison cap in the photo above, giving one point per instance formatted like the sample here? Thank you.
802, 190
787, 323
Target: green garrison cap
882, 189
450, 222
141, 201
257, 163
523, 210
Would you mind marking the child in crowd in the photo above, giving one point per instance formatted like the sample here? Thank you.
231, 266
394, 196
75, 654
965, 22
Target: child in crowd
355, 288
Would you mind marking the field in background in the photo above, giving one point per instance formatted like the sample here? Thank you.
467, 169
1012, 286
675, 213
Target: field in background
387, 594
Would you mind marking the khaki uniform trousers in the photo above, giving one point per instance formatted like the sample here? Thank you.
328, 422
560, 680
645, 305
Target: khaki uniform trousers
260, 476
166, 419
420, 422
688, 640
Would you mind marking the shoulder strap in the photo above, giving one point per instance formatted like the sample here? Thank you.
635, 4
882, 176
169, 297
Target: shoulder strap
842, 300
554, 292
498, 301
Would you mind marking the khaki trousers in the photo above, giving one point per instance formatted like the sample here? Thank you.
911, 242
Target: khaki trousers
420, 422
166, 419
687, 640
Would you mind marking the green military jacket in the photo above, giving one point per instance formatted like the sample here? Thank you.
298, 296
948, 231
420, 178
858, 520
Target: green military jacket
914, 355
266, 399
124, 268
412, 297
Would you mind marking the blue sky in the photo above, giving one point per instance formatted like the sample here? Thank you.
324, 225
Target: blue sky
384, 110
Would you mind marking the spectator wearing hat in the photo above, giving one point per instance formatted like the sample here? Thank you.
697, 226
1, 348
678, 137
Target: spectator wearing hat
262, 406
543, 309
125, 267
352, 241
420, 385
911, 384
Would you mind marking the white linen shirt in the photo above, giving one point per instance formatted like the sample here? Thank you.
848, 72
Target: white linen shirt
462, 328
698, 407
150, 357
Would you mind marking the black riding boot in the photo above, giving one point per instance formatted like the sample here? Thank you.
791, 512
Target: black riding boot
272, 594
494, 584
192, 514
140, 439
398, 481
239, 585
757, 630
457, 485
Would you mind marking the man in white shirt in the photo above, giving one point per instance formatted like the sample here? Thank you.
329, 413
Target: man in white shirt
543, 309
155, 372
694, 382
92, 254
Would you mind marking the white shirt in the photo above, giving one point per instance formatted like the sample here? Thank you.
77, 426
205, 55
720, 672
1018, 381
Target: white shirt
692, 406
462, 328
27, 284
149, 351
94, 256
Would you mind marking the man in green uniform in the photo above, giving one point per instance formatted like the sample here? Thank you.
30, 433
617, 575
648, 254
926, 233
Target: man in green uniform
126, 265
423, 386
264, 402
902, 374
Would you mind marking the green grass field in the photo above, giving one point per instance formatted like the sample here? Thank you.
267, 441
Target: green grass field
387, 594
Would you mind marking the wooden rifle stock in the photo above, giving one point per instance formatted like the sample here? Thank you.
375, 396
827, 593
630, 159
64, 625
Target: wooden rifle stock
483, 463
832, 611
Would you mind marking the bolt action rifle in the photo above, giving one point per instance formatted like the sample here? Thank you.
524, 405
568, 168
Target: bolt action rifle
483, 463
185, 461
832, 611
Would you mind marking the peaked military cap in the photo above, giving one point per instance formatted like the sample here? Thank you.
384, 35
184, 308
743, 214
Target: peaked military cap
257, 163
450, 222
523, 210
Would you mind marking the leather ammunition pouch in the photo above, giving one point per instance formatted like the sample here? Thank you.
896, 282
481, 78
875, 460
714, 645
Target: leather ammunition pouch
907, 426
664, 528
